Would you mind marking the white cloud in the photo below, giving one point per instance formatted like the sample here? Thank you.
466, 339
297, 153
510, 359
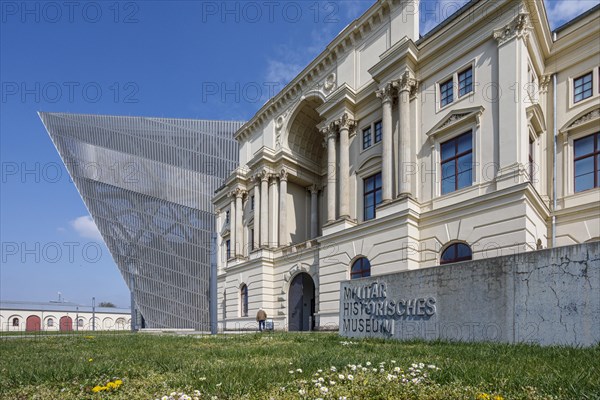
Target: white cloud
86, 227
281, 72
561, 11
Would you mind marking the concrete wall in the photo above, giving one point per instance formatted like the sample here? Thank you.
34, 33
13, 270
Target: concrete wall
549, 297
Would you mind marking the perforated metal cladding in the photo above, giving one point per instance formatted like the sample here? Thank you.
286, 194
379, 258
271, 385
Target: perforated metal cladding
148, 184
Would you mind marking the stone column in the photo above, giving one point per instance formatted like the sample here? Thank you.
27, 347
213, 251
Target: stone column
385, 94
346, 125
331, 173
264, 209
257, 213
232, 230
314, 204
406, 85
239, 235
283, 234
274, 215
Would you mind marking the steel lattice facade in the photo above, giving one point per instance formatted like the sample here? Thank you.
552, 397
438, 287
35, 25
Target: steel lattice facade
148, 184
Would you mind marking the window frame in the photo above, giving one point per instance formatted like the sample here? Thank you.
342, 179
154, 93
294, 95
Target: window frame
456, 156
595, 154
362, 271
244, 300
366, 191
454, 77
468, 68
376, 138
367, 133
228, 249
575, 87
595, 72
449, 83
457, 259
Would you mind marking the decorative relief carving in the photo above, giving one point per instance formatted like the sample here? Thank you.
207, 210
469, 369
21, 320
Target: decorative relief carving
330, 83
407, 83
545, 83
453, 118
519, 27
346, 122
594, 114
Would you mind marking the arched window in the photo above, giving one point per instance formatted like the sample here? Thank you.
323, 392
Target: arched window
360, 269
244, 300
50, 322
456, 252
15, 321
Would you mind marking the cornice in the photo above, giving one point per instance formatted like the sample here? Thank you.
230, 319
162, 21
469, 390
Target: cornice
455, 118
403, 52
339, 46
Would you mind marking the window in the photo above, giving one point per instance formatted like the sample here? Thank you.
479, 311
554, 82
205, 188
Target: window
227, 217
244, 300
531, 159
251, 239
228, 248
378, 127
360, 269
372, 195
456, 252
15, 321
457, 163
587, 162
50, 322
582, 87
252, 203
366, 138
465, 82
446, 93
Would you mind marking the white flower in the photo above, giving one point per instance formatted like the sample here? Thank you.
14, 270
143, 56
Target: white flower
291, 372
219, 384
321, 380
364, 369
202, 379
341, 376
300, 370
393, 361
302, 392
368, 363
319, 370
397, 369
331, 383
350, 377
333, 369
324, 390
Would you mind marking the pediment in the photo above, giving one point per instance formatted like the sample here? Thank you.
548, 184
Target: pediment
535, 115
585, 118
456, 118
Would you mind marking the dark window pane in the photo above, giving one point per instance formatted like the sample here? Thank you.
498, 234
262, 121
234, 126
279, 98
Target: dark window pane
582, 87
378, 197
584, 182
584, 166
448, 169
463, 250
465, 82
448, 185
448, 149
449, 254
446, 92
377, 132
465, 142
366, 138
584, 146
465, 179
465, 163
369, 200
360, 269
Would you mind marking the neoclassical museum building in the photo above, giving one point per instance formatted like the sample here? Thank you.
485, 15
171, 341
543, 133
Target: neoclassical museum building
393, 152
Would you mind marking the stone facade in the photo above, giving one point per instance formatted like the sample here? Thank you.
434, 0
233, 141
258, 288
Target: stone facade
350, 160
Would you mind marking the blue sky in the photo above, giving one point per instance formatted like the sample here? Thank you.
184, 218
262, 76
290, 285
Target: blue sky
212, 60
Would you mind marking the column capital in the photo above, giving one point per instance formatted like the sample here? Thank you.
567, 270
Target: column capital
262, 175
385, 93
345, 122
314, 189
406, 83
238, 193
283, 175
519, 27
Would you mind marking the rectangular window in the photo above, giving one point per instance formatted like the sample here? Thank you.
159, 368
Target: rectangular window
366, 138
587, 162
582, 87
252, 203
446, 93
228, 248
531, 159
227, 217
372, 195
251, 239
465, 82
457, 163
378, 131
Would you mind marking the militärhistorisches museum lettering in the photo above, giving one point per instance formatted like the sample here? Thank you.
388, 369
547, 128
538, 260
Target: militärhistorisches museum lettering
368, 309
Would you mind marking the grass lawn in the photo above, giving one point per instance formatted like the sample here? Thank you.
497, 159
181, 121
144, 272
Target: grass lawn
289, 366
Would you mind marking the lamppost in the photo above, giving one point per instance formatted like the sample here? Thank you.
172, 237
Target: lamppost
93, 314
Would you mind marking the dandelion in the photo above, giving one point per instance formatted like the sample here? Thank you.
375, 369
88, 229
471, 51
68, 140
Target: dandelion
97, 389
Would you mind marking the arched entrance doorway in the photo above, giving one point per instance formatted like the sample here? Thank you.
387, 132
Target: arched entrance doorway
301, 300
66, 324
33, 324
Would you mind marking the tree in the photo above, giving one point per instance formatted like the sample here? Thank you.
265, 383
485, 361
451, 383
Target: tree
107, 304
